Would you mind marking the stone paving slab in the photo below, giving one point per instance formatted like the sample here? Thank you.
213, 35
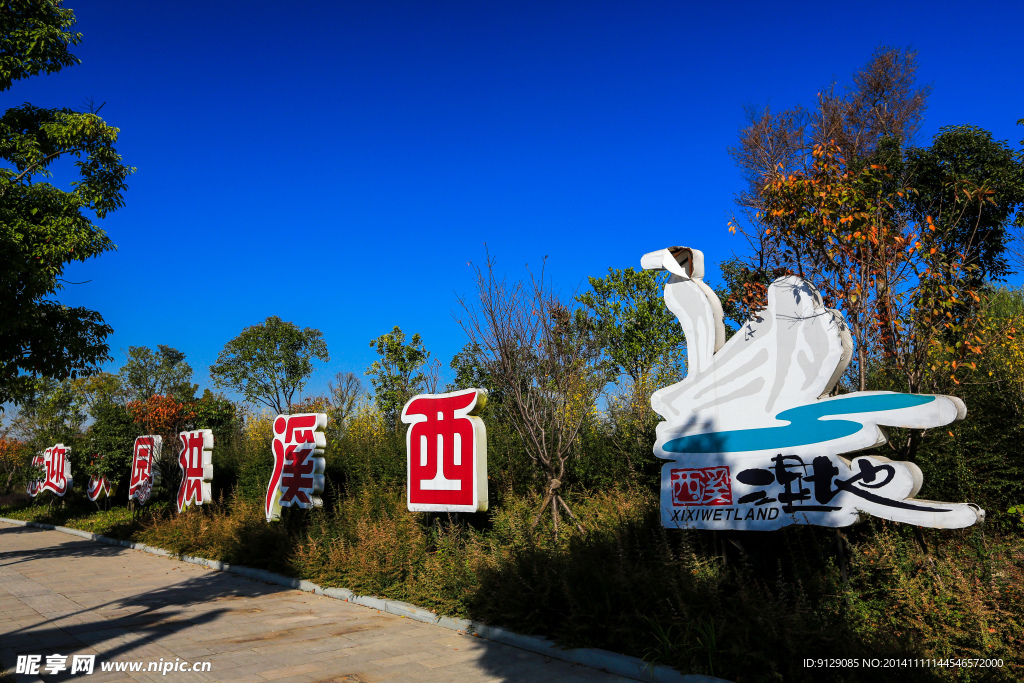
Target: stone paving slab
61, 595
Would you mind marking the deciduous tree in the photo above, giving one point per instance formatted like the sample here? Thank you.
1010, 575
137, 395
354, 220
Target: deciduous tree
163, 415
402, 371
164, 372
911, 302
109, 441
35, 39
882, 103
972, 186
269, 363
547, 359
900, 238
633, 324
344, 394
472, 369
42, 227
14, 457
51, 412
104, 387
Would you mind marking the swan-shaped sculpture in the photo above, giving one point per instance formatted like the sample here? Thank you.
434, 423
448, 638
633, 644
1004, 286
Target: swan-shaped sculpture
754, 439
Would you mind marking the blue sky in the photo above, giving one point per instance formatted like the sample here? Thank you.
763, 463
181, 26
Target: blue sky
339, 164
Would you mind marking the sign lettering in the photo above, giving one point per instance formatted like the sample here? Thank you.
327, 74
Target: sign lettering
447, 452
195, 457
99, 487
56, 471
753, 437
297, 479
145, 474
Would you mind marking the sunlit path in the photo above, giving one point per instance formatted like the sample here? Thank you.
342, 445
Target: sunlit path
63, 595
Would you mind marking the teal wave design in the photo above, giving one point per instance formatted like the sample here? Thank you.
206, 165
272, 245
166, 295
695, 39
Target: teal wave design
805, 426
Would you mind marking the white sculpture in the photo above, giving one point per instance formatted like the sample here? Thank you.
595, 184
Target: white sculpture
754, 440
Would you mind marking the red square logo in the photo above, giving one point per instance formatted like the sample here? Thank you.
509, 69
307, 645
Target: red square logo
701, 486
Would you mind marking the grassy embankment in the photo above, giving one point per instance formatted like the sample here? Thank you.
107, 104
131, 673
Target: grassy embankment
750, 612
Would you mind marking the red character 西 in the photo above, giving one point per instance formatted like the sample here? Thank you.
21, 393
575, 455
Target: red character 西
447, 452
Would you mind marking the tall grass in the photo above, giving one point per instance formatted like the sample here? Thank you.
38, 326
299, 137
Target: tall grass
746, 606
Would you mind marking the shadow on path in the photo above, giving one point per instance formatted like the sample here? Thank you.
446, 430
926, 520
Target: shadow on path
164, 616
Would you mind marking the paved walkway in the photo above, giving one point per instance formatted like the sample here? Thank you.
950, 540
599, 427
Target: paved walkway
64, 595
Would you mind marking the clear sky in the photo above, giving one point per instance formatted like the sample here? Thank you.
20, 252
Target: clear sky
339, 164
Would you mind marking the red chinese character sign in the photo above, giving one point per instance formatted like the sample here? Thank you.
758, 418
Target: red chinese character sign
195, 457
145, 474
99, 487
446, 448
56, 471
298, 476
703, 486
35, 486
753, 437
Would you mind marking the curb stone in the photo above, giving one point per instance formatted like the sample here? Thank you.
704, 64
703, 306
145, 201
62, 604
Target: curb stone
370, 601
603, 660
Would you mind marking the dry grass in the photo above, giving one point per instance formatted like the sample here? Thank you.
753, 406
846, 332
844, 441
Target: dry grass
235, 533
628, 585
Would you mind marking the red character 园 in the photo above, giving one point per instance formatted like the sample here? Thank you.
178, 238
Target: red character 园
145, 474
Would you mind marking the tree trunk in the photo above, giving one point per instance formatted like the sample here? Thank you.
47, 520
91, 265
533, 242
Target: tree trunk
861, 363
540, 510
553, 500
554, 513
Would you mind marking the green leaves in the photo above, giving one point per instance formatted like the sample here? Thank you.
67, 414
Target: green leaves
269, 363
972, 185
111, 437
163, 373
32, 138
42, 227
632, 323
34, 38
51, 412
397, 375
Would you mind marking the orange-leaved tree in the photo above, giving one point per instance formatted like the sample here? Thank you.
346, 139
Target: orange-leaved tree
907, 294
13, 459
161, 415
164, 416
